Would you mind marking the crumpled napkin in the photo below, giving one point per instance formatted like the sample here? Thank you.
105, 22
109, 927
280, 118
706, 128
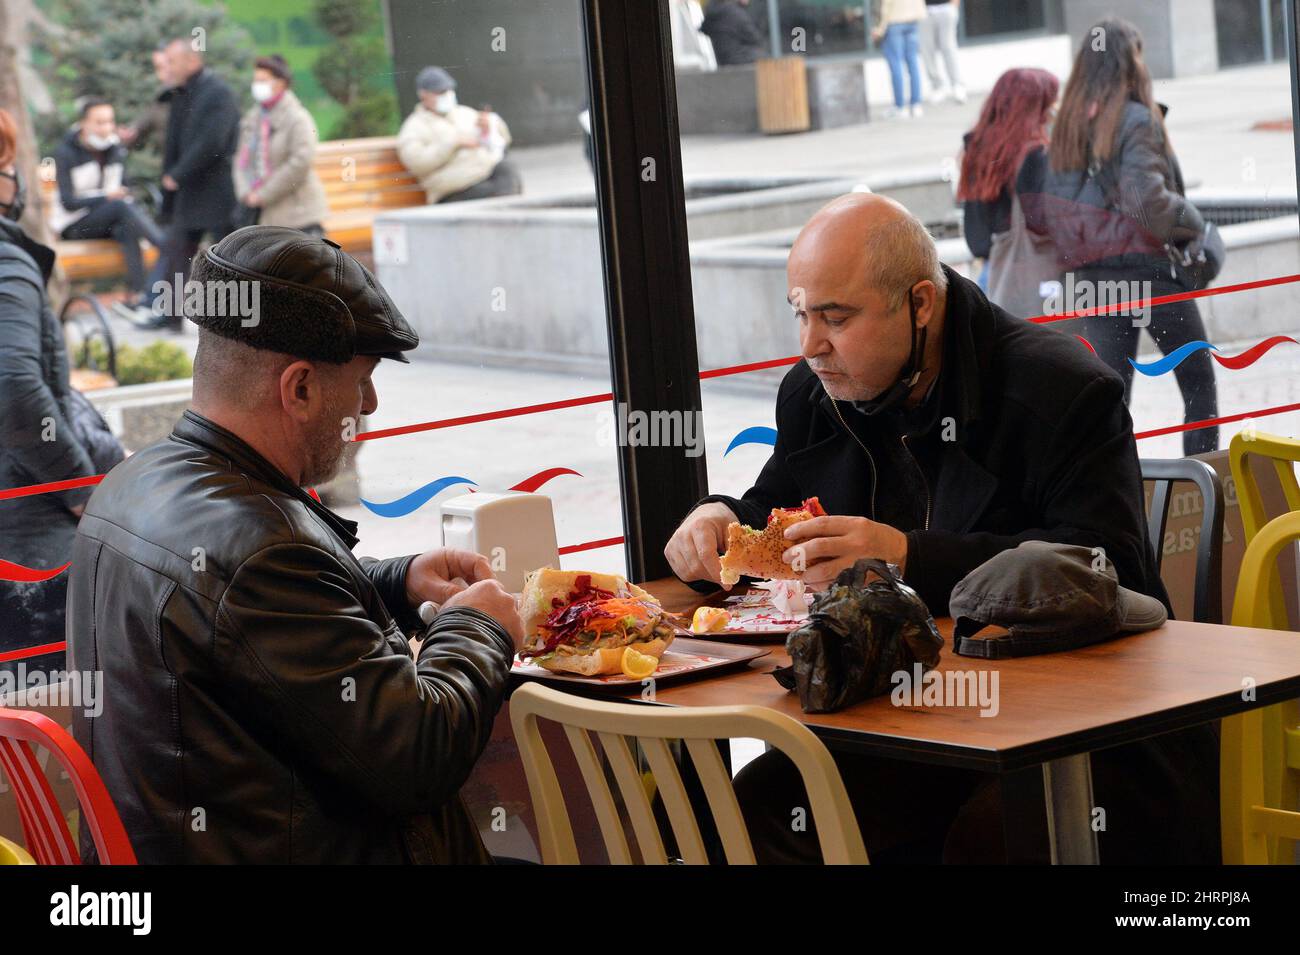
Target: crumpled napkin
787, 596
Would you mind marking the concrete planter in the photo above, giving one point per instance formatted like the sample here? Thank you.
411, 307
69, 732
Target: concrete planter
519, 279
140, 415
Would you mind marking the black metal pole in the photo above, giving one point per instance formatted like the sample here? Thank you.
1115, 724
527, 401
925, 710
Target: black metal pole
1291, 28
651, 318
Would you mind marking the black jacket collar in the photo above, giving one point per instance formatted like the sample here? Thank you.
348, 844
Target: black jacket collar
193, 428
42, 255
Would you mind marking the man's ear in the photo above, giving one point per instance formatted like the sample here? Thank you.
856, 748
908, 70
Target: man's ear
299, 386
925, 296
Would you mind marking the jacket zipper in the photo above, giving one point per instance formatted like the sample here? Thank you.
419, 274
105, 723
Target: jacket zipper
870, 459
924, 482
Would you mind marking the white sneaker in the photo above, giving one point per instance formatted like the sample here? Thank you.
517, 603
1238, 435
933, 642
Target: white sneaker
959, 93
894, 112
917, 112
937, 94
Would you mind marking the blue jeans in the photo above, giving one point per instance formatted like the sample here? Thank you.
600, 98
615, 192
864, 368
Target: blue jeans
901, 43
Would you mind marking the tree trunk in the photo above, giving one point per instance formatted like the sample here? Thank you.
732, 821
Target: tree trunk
14, 17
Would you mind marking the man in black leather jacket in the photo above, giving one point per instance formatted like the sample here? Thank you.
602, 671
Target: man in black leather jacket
261, 699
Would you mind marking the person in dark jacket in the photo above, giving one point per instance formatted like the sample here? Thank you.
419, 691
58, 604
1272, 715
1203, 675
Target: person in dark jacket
1113, 202
1005, 155
95, 200
152, 121
40, 440
262, 701
732, 32
197, 181
938, 431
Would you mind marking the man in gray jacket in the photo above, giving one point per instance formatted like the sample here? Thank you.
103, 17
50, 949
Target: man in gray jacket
261, 702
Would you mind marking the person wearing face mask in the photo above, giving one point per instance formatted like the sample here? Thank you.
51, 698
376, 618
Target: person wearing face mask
275, 181
938, 430
94, 197
42, 434
455, 151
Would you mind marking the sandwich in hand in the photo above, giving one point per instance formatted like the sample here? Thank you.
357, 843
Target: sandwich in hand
580, 622
758, 553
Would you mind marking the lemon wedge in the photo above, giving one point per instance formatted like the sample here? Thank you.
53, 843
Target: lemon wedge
638, 665
710, 620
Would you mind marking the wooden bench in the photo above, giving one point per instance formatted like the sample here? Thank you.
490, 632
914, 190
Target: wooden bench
361, 177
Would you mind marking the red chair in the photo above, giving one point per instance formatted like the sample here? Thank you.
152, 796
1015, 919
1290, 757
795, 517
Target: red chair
48, 838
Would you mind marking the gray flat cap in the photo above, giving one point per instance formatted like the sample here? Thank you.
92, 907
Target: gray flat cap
1050, 597
312, 299
435, 79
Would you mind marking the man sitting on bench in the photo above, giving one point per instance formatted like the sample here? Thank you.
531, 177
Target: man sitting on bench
94, 197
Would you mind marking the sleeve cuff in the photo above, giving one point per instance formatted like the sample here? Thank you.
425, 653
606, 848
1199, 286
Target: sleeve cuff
472, 622
389, 578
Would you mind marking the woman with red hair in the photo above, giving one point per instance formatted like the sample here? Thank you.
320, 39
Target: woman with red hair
1004, 161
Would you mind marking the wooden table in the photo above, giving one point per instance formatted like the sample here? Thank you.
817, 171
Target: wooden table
1053, 710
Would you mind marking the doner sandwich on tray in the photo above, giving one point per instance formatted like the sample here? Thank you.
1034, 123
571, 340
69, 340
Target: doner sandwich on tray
582, 622
754, 553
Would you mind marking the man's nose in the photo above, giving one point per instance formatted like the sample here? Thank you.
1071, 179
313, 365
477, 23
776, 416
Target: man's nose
812, 343
369, 400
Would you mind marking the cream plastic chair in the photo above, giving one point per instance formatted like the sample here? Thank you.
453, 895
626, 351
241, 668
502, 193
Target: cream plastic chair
652, 727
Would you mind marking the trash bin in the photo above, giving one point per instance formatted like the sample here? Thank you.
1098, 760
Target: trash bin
782, 95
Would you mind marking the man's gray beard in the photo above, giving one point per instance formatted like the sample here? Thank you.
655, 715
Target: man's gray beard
325, 464
326, 451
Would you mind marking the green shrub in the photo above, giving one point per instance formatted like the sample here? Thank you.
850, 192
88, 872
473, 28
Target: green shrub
161, 361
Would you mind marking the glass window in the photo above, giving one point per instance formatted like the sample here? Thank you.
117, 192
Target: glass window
507, 292
1229, 354
1239, 31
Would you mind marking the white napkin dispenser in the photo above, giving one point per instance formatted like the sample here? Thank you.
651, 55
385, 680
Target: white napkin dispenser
514, 530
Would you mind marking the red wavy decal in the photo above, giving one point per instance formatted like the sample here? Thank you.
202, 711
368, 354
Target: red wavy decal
1086, 342
26, 653
1253, 353
530, 484
28, 575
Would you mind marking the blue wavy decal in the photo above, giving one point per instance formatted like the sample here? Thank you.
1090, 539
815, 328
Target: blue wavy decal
1171, 361
416, 499
756, 435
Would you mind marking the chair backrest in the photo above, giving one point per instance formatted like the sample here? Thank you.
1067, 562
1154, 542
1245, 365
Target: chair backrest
11, 853
652, 728
1207, 597
1260, 749
1282, 452
44, 828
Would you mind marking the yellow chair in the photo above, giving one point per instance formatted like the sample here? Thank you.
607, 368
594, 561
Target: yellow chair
11, 853
1259, 768
652, 728
1283, 452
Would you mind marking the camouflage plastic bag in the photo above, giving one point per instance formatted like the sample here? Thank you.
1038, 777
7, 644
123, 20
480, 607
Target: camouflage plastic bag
857, 636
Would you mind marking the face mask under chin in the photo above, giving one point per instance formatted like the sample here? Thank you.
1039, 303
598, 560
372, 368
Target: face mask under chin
14, 208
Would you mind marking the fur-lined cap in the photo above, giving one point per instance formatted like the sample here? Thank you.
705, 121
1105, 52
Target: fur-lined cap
286, 291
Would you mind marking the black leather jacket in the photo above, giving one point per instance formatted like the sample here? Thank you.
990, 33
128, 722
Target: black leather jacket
39, 444
260, 701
